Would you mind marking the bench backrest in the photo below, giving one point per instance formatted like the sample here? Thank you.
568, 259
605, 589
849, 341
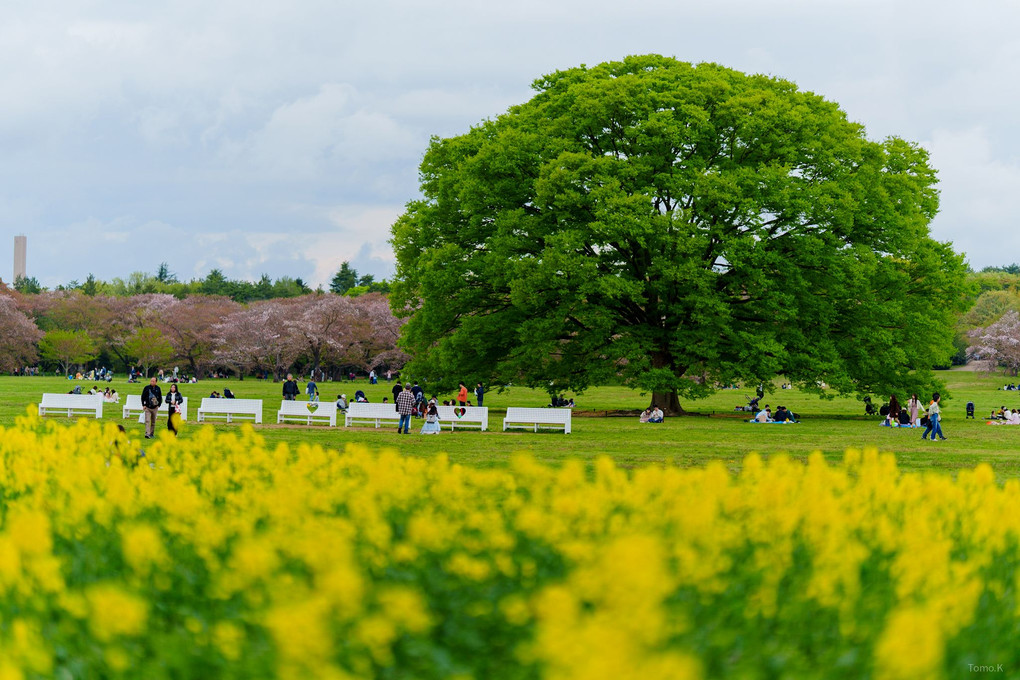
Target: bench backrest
301, 408
538, 415
58, 400
472, 414
212, 405
55, 400
362, 410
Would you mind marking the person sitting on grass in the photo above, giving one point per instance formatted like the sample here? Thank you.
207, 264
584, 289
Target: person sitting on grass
656, 415
341, 402
645, 415
1012, 419
904, 419
783, 415
764, 416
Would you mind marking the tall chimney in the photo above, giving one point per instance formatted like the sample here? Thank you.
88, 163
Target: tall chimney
20, 246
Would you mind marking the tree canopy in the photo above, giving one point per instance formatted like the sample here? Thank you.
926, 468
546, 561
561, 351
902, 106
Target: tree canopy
678, 226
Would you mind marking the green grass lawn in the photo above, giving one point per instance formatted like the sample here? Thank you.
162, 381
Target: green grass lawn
714, 431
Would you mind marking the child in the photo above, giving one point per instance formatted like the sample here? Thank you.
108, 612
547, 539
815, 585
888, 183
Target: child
431, 425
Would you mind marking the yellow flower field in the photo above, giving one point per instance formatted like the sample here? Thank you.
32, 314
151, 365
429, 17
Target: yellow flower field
216, 556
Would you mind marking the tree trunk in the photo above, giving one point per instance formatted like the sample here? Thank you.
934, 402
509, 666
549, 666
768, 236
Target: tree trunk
669, 402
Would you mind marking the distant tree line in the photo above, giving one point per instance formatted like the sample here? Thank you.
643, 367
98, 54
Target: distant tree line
346, 281
317, 332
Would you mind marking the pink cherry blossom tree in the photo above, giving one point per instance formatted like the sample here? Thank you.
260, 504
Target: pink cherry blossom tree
377, 343
998, 344
257, 337
19, 336
189, 326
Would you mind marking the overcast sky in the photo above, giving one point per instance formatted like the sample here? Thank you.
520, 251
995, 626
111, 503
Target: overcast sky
284, 137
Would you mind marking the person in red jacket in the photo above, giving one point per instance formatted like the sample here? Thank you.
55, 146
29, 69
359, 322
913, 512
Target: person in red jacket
462, 395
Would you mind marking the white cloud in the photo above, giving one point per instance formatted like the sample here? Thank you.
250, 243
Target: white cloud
266, 136
978, 191
333, 129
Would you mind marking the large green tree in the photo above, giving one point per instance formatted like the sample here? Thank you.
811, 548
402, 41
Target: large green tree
677, 225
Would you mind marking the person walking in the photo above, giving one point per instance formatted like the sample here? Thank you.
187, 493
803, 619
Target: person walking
174, 402
934, 419
290, 388
152, 399
311, 389
894, 407
405, 407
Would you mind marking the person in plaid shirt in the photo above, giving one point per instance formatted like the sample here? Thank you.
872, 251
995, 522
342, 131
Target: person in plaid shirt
405, 407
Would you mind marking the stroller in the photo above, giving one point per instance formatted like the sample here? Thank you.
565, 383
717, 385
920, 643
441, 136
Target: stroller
869, 408
752, 405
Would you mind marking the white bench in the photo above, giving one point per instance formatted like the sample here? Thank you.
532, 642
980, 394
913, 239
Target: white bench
71, 404
308, 411
552, 418
474, 416
373, 413
133, 407
230, 409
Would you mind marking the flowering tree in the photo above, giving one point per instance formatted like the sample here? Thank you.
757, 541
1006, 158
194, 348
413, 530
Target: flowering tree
18, 336
188, 325
999, 343
257, 337
377, 345
324, 325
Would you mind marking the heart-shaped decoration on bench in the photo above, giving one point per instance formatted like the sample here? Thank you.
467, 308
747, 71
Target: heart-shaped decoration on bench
312, 406
459, 412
